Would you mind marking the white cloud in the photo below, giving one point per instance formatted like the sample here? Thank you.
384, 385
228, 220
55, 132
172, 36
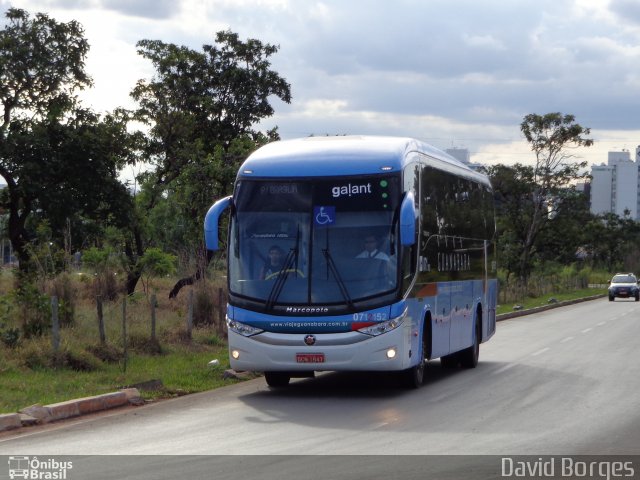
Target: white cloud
453, 72
626, 10
484, 41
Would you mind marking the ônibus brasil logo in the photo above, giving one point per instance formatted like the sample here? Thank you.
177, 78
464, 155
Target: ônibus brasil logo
34, 468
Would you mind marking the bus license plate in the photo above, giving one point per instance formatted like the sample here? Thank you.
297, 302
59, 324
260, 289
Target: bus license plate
310, 357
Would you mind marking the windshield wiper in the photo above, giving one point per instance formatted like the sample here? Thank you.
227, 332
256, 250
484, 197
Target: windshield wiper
332, 266
292, 257
281, 278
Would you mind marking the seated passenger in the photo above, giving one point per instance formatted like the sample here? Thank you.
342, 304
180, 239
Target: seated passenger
371, 249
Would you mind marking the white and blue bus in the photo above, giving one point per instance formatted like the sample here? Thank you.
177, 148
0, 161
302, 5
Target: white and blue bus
356, 254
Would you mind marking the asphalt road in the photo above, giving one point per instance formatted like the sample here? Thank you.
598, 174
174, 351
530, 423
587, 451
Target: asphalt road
561, 382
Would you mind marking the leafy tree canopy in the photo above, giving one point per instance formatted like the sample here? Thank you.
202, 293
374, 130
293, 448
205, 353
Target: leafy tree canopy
201, 109
531, 197
202, 100
60, 161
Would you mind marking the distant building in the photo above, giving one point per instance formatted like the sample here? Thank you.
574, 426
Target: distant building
464, 156
615, 187
461, 154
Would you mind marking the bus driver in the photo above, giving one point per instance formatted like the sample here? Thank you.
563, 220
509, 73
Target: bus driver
274, 263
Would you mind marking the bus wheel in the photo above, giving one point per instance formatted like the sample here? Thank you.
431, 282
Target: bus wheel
414, 377
277, 379
469, 356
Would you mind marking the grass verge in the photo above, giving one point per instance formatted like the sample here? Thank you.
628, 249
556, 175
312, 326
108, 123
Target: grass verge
531, 302
182, 369
32, 372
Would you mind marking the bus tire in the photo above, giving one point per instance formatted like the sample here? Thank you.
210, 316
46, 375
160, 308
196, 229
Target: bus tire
469, 356
414, 377
277, 379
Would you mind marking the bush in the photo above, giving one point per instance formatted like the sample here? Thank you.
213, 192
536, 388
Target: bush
33, 356
36, 355
105, 284
105, 264
204, 306
80, 361
143, 344
106, 353
9, 336
33, 309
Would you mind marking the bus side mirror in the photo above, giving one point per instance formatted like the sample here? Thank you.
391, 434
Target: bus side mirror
211, 222
408, 221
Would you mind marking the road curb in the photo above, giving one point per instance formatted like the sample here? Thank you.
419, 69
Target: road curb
38, 414
520, 313
9, 421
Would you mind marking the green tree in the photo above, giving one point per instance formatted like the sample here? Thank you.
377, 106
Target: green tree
199, 101
565, 234
610, 238
513, 189
156, 263
552, 137
60, 161
201, 108
41, 64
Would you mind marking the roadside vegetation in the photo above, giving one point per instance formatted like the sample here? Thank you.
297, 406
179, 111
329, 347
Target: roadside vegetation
533, 302
552, 285
173, 363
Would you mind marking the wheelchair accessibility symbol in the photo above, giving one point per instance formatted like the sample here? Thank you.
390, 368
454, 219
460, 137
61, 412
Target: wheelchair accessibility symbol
323, 216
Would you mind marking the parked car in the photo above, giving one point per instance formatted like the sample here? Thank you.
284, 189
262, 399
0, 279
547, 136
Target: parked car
624, 285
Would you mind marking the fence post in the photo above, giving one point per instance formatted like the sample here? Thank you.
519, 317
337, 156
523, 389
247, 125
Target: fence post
103, 337
154, 301
55, 325
190, 315
124, 330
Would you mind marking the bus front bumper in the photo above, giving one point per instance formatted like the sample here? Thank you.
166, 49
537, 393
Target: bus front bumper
350, 351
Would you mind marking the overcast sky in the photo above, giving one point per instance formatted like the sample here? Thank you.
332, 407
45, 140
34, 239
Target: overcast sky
454, 73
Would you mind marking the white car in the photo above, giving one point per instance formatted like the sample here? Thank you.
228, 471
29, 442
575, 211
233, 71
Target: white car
624, 285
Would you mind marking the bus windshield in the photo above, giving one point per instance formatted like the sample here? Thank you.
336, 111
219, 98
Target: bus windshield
314, 242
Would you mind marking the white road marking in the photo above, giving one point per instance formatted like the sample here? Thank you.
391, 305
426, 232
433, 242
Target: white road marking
540, 352
505, 368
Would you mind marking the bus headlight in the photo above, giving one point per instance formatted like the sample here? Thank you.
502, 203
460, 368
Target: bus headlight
242, 328
384, 327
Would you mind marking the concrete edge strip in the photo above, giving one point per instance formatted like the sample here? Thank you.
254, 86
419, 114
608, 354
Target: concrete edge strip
520, 313
38, 414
